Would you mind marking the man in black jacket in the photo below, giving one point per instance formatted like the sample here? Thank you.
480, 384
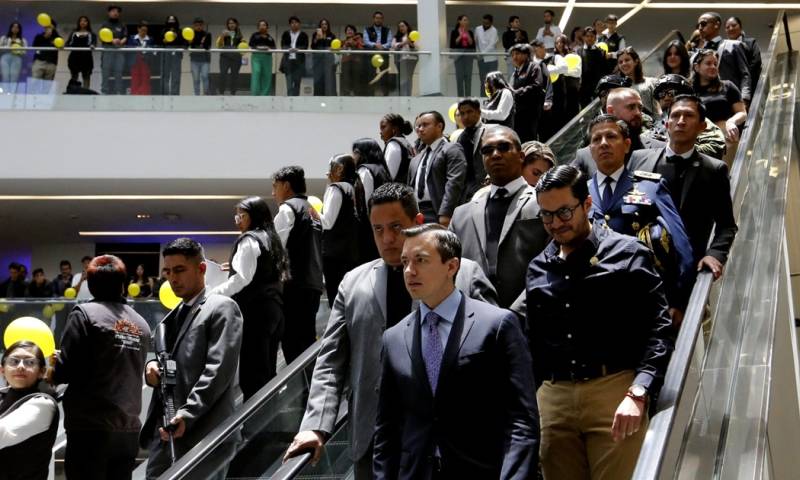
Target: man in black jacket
529, 84
593, 65
732, 54
293, 64
14, 286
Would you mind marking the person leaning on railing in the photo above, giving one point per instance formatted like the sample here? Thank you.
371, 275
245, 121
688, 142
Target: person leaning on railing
352, 81
261, 62
229, 63
200, 61
11, 58
407, 62
293, 64
81, 62
113, 63
462, 39
324, 65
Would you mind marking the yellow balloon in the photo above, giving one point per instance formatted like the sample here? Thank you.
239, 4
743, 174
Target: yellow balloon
57, 307
44, 20
31, 329
188, 34
553, 77
170, 36
573, 61
243, 46
336, 44
602, 46
58, 42
4, 307
413, 36
70, 293
134, 290
106, 35
451, 112
167, 296
48, 311
316, 203
377, 61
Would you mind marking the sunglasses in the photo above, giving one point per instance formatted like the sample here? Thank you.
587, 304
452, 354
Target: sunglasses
502, 147
666, 93
702, 24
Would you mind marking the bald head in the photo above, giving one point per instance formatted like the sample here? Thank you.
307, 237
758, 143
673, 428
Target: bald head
626, 104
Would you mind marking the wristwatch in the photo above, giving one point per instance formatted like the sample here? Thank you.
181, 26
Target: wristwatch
637, 393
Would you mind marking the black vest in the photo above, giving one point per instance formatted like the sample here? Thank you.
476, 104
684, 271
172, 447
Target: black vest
372, 33
341, 241
612, 41
304, 246
492, 103
30, 459
407, 151
266, 281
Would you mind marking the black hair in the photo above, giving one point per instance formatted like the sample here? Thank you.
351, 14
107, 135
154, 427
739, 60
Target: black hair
399, 36
294, 18
682, 52
319, 24
396, 192
176, 24
496, 128
552, 13
370, 152
701, 108
38, 270
735, 19
716, 16
562, 176
294, 175
611, 17
537, 43
522, 48
261, 218
436, 116
588, 30
472, 102
565, 40
512, 18
144, 23
397, 121
496, 80
86, 257
716, 84
447, 243
377, 12
262, 21
352, 27
348, 164
88, 23
106, 277
27, 345
114, 7
11, 26
638, 70
458, 20
489, 17
624, 129
238, 28
187, 247
64, 262
14, 266
574, 31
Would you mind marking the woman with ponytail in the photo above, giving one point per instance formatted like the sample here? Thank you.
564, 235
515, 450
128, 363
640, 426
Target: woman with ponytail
398, 151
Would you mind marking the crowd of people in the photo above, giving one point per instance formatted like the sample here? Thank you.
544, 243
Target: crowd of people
460, 275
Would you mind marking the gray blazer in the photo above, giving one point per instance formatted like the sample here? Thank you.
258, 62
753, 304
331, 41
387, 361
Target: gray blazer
207, 354
447, 170
733, 65
522, 238
350, 350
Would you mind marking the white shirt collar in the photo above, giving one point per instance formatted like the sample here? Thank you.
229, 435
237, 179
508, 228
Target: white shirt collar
717, 39
614, 176
513, 187
686, 155
433, 146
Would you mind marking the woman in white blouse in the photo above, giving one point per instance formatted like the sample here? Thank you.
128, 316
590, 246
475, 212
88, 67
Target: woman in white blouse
28, 417
499, 107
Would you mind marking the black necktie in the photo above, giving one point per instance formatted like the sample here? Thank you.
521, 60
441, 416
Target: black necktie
174, 327
423, 174
496, 208
607, 194
466, 141
711, 45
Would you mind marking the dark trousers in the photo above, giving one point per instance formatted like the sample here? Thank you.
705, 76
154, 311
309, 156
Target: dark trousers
362, 468
229, 66
171, 73
526, 123
99, 455
427, 211
300, 307
294, 75
334, 270
213, 467
463, 66
261, 332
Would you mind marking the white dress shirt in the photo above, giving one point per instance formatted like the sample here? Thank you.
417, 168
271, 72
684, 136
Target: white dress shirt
512, 187
671, 153
284, 221
429, 152
447, 311
601, 179
486, 41
244, 263
394, 157
549, 41
31, 418
366, 179
332, 203
84, 293
503, 109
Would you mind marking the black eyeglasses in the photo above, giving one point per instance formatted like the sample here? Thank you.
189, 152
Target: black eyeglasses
502, 147
564, 214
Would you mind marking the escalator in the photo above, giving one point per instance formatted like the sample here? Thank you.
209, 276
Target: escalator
270, 419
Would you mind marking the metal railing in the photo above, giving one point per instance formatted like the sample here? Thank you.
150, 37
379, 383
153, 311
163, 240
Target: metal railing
673, 393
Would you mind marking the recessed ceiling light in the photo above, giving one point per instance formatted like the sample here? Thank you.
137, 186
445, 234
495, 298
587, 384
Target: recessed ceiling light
164, 233
142, 216
121, 197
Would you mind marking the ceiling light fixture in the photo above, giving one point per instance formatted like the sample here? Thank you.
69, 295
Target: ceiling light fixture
164, 233
142, 216
120, 197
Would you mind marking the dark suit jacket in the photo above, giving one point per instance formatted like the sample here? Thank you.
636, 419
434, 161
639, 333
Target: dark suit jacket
521, 239
703, 202
477, 164
753, 60
302, 44
483, 417
207, 355
529, 84
447, 170
733, 65
585, 163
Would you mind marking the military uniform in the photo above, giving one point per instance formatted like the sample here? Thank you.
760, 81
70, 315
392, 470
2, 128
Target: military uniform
641, 206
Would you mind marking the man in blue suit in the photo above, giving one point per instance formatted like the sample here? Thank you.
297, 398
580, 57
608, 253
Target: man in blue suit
457, 389
639, 204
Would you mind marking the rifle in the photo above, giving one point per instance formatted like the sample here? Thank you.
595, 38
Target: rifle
168, 370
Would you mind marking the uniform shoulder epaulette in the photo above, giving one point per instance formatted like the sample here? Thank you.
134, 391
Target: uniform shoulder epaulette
645, 175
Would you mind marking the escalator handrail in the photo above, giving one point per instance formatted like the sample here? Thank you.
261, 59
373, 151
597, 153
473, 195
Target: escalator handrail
654, 448
229, 426
593, 105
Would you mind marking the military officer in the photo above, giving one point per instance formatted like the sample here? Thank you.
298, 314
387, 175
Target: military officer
639, 204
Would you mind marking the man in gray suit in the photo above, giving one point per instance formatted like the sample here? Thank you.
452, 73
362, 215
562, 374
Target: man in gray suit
371, 298
470, 140
625, 104
203, 335
501, 231
438, 172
